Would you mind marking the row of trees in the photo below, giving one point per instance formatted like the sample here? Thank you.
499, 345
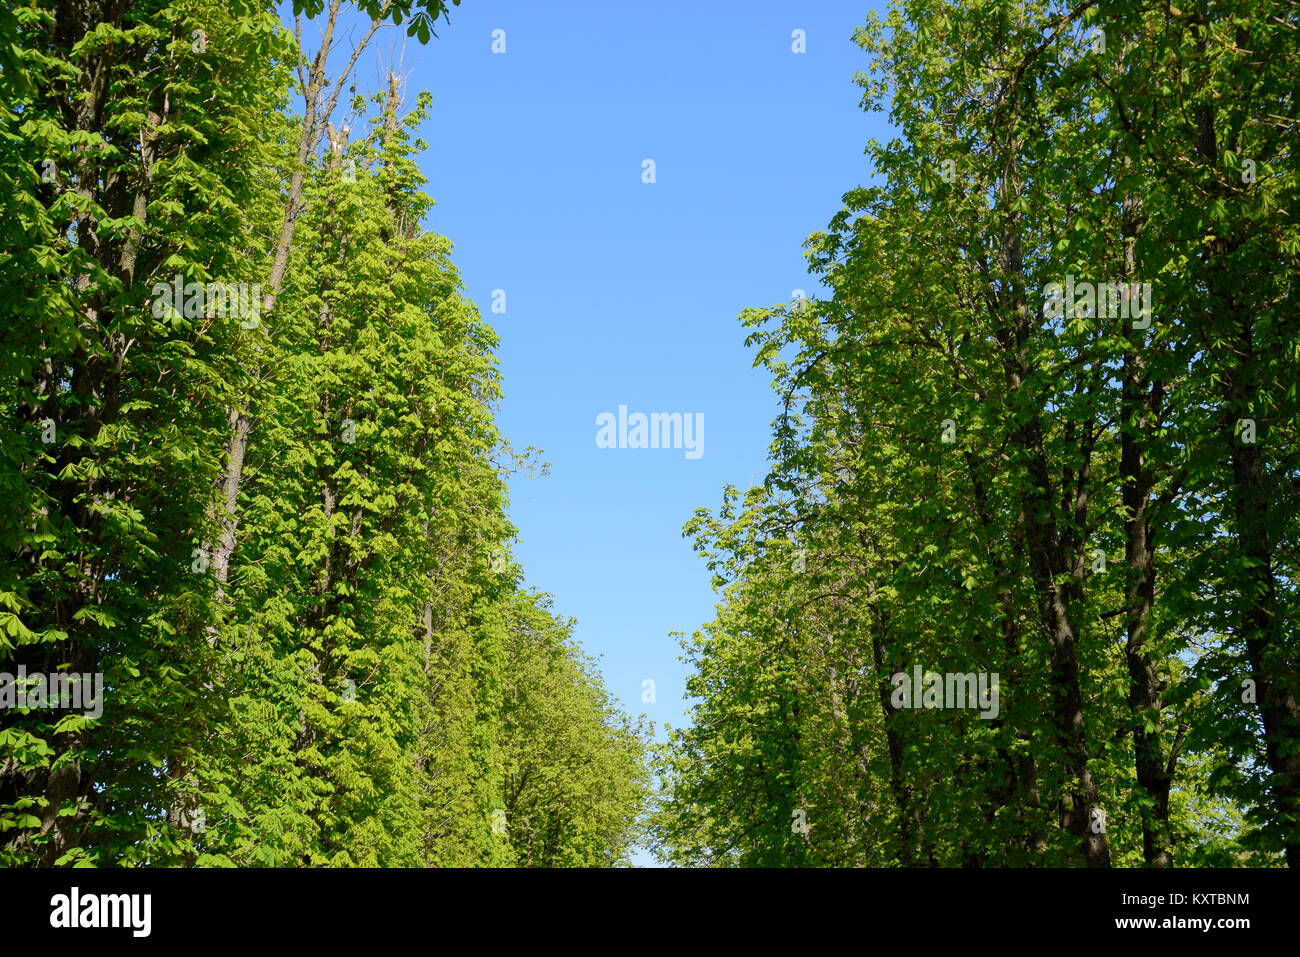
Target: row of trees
986, 465
252, 474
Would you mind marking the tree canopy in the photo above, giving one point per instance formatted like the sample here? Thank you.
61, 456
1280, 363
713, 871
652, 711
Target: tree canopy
1042, 438
254, 476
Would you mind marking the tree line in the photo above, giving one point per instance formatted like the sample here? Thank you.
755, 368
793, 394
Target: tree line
252, 473
1042, 432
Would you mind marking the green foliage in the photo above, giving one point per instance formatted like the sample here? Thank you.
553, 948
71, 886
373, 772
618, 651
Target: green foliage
365, 681
952, 460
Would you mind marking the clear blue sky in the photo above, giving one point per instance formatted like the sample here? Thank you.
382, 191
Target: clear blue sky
623, 292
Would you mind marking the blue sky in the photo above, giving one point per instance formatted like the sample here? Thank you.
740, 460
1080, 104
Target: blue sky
621, 292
